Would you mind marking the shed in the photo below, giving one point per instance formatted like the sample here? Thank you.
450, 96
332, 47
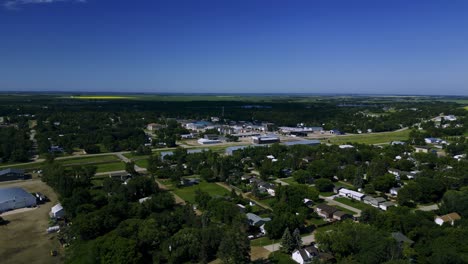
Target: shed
57, 211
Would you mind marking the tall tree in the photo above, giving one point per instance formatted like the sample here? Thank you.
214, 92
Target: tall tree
287, 242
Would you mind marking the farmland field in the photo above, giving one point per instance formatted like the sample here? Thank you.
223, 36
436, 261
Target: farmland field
188, 193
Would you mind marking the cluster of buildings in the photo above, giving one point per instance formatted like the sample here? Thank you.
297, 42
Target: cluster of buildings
331, 213
377, 202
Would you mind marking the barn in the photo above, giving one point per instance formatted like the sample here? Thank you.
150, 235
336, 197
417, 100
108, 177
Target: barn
11, 175
14, 198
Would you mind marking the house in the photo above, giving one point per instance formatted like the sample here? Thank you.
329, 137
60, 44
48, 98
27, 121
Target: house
204, 141
351, 194
401, 239
385, 205
57, 211
448, 218
255, 220
308, 202
15, 198
340, 215
393, 143
305, 255
336, 189
11, 175
374, 201
265, 139
434, 141
336, 132
346, 146
121, 176
325, 211
188, 136
153, 127
422, 149
144, 199
56, 149
394, 191
450, 118
211, 136
189, 182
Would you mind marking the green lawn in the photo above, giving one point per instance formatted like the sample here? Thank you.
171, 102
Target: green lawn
353, 203
262, 241
112, 166
344, 185
88, 160
188, 193
289, 180
316, 221
327, 194
281, 258
143, 163
25, 166
375, 138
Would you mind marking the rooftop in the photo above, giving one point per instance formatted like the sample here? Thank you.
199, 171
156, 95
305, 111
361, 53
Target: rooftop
7, 194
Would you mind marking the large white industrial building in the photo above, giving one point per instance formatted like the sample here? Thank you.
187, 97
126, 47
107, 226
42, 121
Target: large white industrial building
15, 198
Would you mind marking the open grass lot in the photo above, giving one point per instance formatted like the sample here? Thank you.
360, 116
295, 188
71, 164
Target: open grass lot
289, 180
353, 203
188, 193
88, 160
262, 241
281, 258
372, 138
24, 239
112, 166
27, 166
143, 163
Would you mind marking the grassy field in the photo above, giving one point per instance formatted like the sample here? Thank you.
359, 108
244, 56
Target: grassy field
373, 138
289, 180
262, 241
24, 239
112, 166
88, 160
281, 258
102, 97
27, 166
188, 193
353, 203
143, 163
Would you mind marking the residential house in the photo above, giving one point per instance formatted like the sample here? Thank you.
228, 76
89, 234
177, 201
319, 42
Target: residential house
153, 127
394, 191
374, 201
255, 220
346, 146
422, 149
340, 215
325, 211
448, 218
351, 194
309, 203
305, 255
385, 205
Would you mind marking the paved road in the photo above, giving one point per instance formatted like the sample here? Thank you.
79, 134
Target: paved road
306, 240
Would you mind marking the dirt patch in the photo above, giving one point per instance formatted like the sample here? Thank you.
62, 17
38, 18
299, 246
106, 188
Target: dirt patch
258, 253
24, 239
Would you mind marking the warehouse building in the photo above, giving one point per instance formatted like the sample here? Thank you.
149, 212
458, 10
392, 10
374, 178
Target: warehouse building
15, 198
11, 175
266, 139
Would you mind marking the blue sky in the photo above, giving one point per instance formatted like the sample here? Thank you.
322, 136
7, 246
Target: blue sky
238, 46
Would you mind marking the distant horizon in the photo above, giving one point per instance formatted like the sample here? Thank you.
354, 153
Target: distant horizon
228, 94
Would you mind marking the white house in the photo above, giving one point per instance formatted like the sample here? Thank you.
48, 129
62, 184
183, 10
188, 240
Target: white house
394, 191
57, 211
384, 206
346, 146
305, 255
351, 194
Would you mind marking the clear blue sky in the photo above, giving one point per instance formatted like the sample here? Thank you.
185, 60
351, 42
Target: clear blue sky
235, 46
